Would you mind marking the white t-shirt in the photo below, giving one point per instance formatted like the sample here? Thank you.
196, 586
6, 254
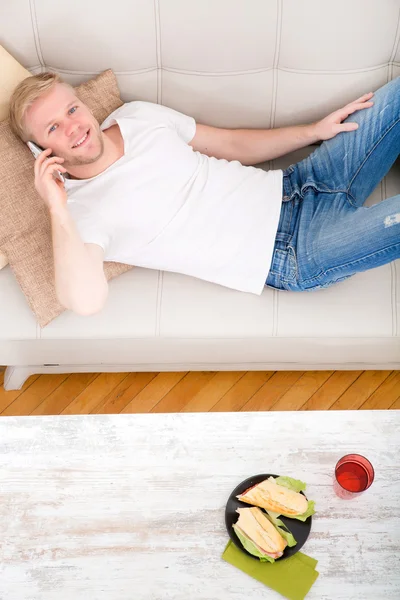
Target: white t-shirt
164, 206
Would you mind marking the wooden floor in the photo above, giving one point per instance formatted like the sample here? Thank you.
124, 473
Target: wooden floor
84, 393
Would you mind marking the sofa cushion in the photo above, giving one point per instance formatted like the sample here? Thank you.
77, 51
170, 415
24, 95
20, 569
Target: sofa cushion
25, 229
164, 321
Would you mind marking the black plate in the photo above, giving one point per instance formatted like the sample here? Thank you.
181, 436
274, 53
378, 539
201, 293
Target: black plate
301, 530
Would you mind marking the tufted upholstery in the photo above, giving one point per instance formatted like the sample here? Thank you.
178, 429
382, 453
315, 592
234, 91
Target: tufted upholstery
230, 63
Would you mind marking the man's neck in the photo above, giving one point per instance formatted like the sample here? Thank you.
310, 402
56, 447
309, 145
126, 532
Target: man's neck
113, 150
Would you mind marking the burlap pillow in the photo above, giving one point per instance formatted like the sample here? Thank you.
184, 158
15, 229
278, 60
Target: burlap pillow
25, 232
12, 72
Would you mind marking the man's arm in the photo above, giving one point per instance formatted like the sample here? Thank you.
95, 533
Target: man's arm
253, 146
80, 282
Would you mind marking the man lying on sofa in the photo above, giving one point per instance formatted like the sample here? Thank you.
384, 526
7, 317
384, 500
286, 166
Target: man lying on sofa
151, 188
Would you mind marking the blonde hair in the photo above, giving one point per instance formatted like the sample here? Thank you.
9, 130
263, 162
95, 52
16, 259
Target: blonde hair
25, 94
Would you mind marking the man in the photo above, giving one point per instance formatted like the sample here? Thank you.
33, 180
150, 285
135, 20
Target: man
152, 188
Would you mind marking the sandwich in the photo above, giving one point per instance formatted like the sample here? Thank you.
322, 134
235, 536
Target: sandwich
279, 496
259, 536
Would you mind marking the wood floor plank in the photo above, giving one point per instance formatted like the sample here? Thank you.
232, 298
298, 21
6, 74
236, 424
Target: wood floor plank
95, 392
331, 390
305, 387
273, 390
386, 394
242, 391
7, 398
153, 392
34, 395
361, 390
183, 392
124, 393
58, 400
213, 391
83, 393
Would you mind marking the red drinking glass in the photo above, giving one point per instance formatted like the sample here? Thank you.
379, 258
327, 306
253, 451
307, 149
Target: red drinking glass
354, 473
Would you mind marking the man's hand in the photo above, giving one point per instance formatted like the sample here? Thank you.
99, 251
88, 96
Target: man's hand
332, 124
51, 190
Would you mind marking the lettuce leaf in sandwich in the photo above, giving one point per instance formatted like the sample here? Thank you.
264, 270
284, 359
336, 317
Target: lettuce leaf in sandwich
260, 536
252, 548
283, 530
291, 484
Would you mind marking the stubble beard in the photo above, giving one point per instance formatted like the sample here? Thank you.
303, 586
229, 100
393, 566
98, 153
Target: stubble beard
75, 161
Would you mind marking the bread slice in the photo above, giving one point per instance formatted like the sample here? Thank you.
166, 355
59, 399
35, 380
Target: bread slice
259, 530
275, 497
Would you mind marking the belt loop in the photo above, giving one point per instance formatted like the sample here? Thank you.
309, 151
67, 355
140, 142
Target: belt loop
287, 184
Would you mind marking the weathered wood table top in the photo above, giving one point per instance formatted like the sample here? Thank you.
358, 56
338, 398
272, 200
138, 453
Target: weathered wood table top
131, 507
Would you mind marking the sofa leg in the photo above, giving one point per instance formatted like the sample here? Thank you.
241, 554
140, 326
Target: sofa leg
15, 377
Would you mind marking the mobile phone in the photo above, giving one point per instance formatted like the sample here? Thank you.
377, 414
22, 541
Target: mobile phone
36, 150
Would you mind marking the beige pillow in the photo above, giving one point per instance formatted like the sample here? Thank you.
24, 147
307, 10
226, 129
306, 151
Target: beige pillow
25, 232
11, 74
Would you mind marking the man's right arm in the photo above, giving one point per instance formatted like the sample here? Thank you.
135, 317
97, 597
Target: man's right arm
81, 285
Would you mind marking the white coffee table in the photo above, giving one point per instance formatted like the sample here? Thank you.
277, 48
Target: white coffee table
131, 507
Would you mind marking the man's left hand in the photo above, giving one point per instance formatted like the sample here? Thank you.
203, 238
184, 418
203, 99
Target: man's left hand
331, 125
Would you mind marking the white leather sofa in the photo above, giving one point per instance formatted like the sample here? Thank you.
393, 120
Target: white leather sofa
229, 63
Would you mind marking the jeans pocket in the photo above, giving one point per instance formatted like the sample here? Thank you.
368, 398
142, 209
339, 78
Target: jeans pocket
285, 267
291, 265
278, 262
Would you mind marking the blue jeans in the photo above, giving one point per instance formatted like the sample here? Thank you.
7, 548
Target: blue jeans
325, 234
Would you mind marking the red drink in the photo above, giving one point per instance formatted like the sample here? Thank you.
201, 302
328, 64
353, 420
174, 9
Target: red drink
354, 473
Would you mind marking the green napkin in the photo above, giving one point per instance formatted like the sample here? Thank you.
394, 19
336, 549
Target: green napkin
291, 577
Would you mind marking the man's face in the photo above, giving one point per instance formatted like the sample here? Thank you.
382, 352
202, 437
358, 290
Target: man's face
59, 120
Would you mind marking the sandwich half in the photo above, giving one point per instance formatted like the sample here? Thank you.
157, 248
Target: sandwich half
258, 535
276, 498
